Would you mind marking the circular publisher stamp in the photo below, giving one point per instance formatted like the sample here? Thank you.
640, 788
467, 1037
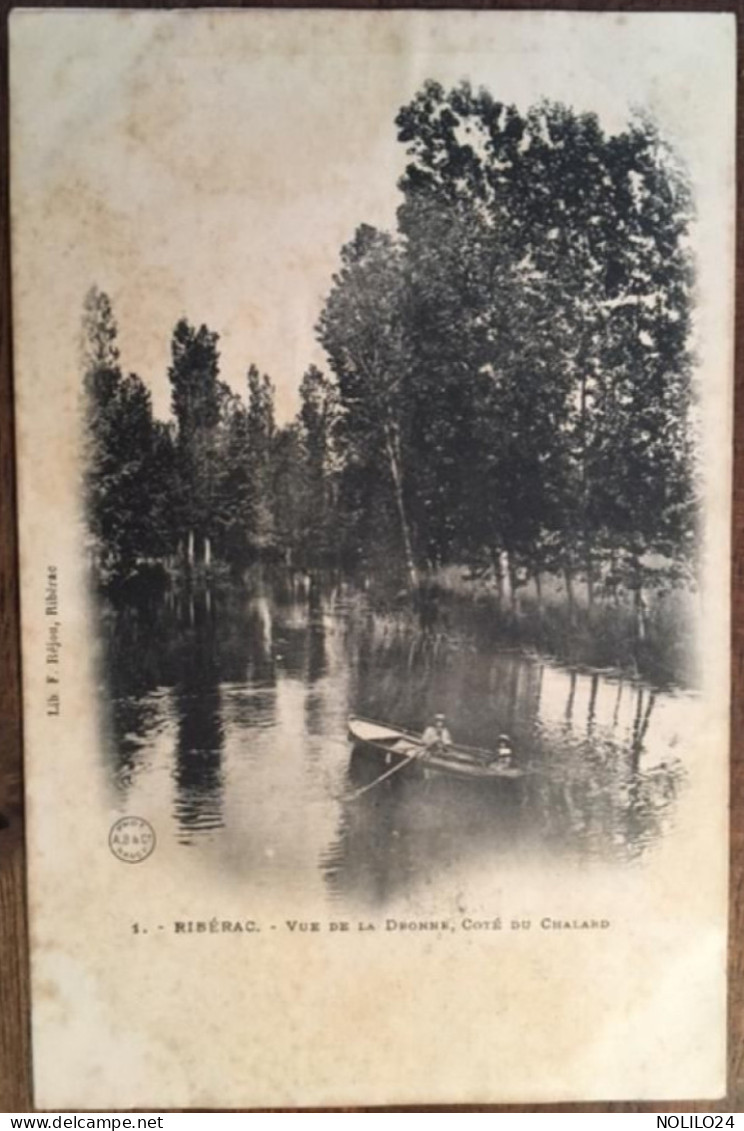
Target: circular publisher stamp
132, 839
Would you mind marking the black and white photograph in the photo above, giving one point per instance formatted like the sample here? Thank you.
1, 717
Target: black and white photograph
384, 408
444, 611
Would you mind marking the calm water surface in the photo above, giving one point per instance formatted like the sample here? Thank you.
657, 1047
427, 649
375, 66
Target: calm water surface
228, 715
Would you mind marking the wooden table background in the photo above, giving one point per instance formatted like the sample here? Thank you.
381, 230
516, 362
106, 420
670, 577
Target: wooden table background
15, 1045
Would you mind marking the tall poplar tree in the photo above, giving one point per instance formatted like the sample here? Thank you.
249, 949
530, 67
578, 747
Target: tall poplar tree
118, 449
195, 399
363, 329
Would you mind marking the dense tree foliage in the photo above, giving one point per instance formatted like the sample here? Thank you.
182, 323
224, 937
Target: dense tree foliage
510, 389
125, 450
524, 338
220, 484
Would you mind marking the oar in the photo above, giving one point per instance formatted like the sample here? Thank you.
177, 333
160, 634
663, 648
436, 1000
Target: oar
388, 774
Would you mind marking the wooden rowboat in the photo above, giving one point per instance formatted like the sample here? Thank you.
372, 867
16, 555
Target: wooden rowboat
392, 745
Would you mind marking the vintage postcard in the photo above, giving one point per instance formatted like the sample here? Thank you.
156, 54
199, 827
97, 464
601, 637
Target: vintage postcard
374, 417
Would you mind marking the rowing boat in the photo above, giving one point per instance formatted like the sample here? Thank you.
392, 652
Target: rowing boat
393, 745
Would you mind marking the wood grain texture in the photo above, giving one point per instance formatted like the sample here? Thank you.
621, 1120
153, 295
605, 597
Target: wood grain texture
15, 1073
15, 1053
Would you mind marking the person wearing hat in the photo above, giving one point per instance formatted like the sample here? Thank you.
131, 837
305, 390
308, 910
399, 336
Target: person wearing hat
436, 738
504, 754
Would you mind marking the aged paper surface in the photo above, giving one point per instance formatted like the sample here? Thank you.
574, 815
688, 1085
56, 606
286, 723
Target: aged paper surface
487, 477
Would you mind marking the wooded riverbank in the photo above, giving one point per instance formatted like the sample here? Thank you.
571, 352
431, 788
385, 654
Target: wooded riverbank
507, 414
452, 611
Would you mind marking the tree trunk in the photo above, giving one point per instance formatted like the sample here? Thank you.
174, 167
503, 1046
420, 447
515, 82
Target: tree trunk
568, 577
207, 552
513, 695
538, 694
393, 451
513, 589
590, 581
505, 579
498, 574
538, 591
639, 604
614, 588
190, 548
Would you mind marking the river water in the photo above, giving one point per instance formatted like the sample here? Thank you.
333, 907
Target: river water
227, 715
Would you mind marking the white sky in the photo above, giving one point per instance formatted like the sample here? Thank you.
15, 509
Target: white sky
211, 164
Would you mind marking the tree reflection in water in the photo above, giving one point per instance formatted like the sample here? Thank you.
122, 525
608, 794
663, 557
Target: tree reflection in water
238, 697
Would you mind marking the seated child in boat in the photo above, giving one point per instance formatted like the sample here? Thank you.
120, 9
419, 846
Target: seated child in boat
504, 755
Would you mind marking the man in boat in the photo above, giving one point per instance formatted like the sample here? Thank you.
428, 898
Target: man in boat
436, 738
